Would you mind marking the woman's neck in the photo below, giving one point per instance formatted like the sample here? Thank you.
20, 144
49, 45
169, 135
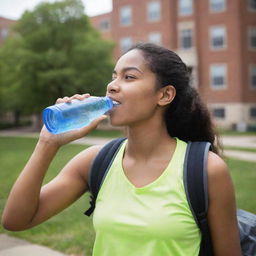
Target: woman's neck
147, 140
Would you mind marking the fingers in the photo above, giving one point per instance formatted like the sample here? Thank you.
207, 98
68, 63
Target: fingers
80, 96
85, 130
69, 99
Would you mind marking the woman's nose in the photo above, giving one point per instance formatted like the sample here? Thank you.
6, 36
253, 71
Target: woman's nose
113, 87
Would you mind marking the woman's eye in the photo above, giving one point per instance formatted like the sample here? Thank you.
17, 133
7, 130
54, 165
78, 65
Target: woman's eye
129, 77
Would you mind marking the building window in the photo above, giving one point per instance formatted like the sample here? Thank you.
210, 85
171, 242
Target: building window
154, 11
186, 39
125, 44
252, 5
219, 113
155, 38
252, 78
4, 33
253, 112
218, 76
126, 16
104, 25
217, 37
217, 5
185, 7
252, 38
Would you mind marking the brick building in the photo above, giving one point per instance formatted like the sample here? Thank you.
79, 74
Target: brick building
215, 38
5, 25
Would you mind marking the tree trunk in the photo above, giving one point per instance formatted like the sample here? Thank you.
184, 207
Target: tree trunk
16, 116
37, 122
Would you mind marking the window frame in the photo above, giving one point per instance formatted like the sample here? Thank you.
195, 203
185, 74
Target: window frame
4, 33
211, 38
149, 11
181, 39
217, 11
121, 44
252, 112
225, 78
185, 13
121, 17
249, 6
252, 73
155, 41
251, 35
102, 28
222, 116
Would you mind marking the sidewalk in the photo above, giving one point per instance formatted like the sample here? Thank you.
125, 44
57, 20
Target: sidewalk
234, 141
240, 141
10, 246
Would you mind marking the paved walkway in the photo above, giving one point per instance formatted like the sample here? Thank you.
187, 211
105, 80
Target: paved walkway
243, 142
10, 246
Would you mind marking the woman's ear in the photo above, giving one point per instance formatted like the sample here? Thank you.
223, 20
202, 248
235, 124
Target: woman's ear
166, 95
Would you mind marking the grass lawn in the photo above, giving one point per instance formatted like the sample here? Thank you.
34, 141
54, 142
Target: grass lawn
235, 133
71, 231
241, 149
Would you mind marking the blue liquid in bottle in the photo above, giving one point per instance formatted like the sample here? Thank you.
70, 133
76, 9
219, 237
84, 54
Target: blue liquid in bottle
76, 114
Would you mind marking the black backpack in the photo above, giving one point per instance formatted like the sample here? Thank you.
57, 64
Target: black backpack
195, 183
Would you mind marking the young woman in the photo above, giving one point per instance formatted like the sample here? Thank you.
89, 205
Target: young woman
141, 208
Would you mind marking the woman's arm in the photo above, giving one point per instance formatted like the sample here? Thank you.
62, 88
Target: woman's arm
222, 209
29, 204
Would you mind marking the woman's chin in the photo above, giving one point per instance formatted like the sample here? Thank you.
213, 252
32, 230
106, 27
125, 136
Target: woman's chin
114, 122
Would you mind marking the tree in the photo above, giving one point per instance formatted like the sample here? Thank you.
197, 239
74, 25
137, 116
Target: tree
54, 52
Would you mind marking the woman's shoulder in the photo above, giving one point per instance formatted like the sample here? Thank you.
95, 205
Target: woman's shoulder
88, 154
81, 163
217, 167
219, 179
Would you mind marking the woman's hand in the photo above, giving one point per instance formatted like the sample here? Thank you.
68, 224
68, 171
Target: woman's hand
61, 139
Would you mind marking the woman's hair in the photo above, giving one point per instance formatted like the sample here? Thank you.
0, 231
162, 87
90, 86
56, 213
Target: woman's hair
186, 117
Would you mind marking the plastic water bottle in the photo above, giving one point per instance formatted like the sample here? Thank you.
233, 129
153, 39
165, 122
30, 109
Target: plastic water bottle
72, 115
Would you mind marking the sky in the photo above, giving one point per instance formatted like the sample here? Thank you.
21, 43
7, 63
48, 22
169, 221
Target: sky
13, 9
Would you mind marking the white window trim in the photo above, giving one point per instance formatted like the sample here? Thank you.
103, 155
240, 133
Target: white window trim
249, 34
251, 66
249, 7
156, 33
214, 11
212, 48
185, 15
225, 85
120, 23
120, 43
157, 20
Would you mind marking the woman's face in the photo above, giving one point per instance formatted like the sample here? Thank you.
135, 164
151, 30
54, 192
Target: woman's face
134, 86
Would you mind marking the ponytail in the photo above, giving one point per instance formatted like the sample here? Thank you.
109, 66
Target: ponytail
187, 117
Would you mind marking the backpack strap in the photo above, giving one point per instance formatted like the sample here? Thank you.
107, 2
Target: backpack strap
99, 169
196, 188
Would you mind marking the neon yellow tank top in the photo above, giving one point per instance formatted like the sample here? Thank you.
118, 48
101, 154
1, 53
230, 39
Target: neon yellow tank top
154, 220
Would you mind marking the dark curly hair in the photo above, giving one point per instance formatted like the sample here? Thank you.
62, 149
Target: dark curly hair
187, 117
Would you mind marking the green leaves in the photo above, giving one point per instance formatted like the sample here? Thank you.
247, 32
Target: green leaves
54, 52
